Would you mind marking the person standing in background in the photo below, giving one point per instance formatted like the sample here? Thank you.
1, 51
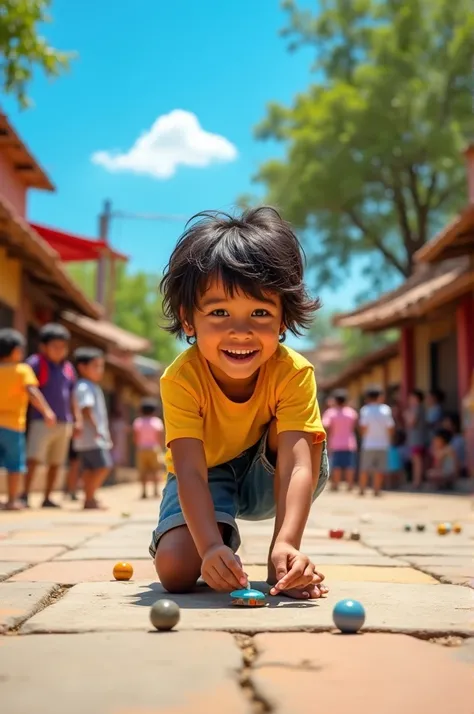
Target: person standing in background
56, 379
340, 422
377, 427
94, 443
149, 440
417, 436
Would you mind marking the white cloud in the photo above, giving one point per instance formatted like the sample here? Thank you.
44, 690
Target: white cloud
175, 139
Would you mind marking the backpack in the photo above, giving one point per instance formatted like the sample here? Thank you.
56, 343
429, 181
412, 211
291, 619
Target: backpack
43, 371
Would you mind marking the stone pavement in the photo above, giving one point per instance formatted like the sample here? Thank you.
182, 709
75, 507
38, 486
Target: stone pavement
93, 647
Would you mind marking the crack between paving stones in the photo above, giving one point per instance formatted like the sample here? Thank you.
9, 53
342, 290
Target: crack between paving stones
55, 595
249, 653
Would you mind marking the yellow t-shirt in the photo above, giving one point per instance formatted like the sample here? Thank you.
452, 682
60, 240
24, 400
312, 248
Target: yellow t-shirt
195, 407
14, 380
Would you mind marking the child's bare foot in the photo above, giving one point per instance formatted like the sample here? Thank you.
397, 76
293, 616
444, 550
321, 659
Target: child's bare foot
93, 504
14, 506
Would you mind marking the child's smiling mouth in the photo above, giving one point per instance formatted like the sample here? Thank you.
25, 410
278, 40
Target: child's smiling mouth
239, 355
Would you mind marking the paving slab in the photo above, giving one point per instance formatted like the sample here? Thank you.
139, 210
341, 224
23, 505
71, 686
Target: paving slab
21, 600
82, 571
367, 673
453, 561
445, 549
360, 559
140, 673
355, 573
27, 553
94, 607
124, 552
10, 568
54, 536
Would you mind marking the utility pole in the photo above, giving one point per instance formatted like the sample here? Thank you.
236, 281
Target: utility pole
104, 229
106, 268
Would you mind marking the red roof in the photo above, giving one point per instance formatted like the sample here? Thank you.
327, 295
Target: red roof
75, 248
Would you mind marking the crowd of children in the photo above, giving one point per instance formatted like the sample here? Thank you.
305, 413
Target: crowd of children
53, 411
421, 443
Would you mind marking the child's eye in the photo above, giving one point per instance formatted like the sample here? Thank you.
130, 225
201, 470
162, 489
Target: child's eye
220, 312
261, 312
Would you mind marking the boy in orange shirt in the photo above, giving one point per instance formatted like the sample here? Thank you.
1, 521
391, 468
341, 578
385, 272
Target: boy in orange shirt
242, 420
18, 386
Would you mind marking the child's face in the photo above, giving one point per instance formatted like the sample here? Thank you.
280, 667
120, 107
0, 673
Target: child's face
56, 350
93, 370
438, 443
236, 335
413, 400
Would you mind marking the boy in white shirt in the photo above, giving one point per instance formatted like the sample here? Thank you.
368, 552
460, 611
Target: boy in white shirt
376, 426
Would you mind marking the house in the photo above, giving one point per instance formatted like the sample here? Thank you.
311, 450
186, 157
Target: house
381, 368
434, 310
35, 288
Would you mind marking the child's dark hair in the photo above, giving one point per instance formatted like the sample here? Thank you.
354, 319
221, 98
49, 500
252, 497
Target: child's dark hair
254, 253
419, 394
444, 434
340, 396
373, 393
9, 340
148, 407
85, 355
438, 395
53, 331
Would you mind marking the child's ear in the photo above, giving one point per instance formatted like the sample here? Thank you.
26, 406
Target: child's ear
188, 329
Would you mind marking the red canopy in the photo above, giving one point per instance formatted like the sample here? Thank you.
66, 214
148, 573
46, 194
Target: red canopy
74, 248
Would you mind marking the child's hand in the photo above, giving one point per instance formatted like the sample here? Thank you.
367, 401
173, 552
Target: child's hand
293, 569
50, 418
222, 570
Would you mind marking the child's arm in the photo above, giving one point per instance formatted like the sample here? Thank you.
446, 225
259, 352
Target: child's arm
39, 402
220, 567
297, 457
76, 414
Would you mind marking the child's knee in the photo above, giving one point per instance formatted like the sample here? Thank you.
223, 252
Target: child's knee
177, 562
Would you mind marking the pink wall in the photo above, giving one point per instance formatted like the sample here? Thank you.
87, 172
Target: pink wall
11, 187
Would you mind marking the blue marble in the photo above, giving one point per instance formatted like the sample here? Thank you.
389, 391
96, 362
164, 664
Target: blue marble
348, 615
248, 594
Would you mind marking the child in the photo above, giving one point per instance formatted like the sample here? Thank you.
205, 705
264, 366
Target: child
18, 385
93, 444
445, 466
148, 437
56, 379
416, 434
377, 426
452, 424
340, 422
242, 420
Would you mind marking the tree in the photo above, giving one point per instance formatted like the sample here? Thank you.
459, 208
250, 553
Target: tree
373, 159
22, 48
137, 305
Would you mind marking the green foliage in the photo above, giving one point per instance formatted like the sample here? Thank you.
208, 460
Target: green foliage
373, 161
137, 305
22, 48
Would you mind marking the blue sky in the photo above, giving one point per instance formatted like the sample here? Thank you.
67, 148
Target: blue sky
219, 61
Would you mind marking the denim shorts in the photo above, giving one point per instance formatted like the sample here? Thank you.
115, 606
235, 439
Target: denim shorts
240, 488
343, 459
12, 451
93, 459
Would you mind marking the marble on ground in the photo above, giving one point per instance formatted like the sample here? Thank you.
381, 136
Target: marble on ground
21, 600
397, 607
65, 586
140, 673
338, 670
